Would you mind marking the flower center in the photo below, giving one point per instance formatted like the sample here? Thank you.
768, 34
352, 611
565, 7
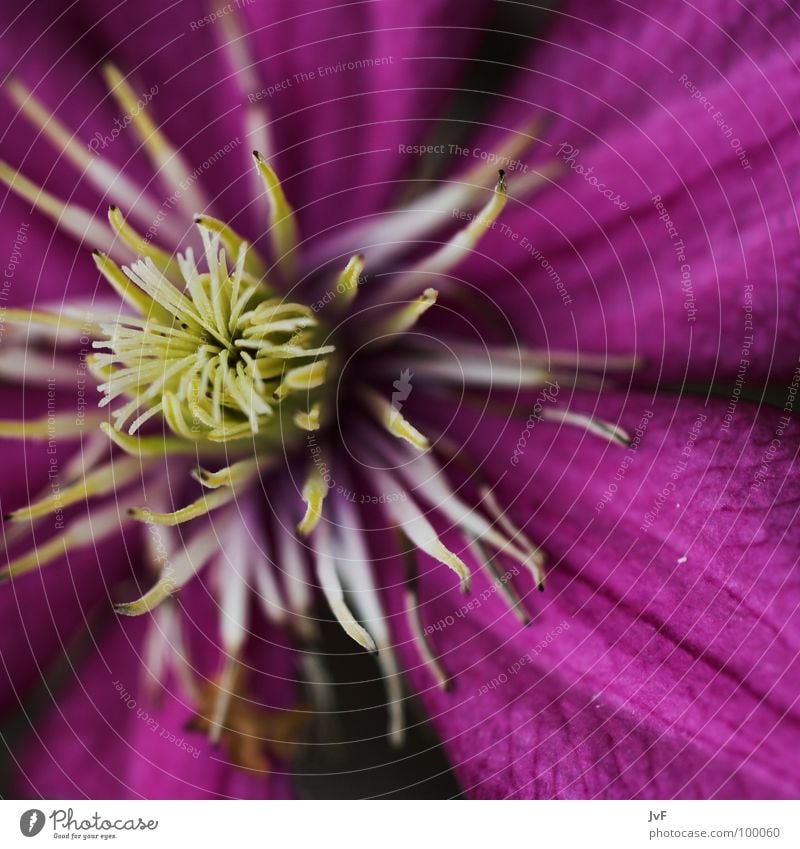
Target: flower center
217, 351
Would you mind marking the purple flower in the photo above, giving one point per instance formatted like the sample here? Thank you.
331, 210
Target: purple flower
487, 379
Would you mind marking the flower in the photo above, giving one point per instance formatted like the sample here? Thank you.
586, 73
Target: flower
256, 373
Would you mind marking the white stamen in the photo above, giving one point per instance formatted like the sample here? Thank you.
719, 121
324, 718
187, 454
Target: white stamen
457, 248
429, 482
418, 529
421, 639
224, 696
256, 115
167, 161
332, 588
474, 367
99, 172
74, 220
354, 568
391, 234
234, 573
291, 562
177, 572
599, 427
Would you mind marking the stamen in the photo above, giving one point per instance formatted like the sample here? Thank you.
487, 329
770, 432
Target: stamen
536, 558
167, 161
138, 244
185, 564
310, 420
596, 362
283, 228
165, 648
52, 324
475, 367
224, 696
74, 220
393, 421
256, 116
37, 369
200, 375
126, 289
233, 579
245, 559
144, 418
204, 505
234, 243
98, 482
314, 492
504, 586
419, 530
430, 483
292, 563
459, 246
349, 280
229, 476
149, 446
598, 427
357, 580
415, 623
268, 591
151, 281
304, 378
101, 173
402, 318
63, 424
390, 234
513, 146
89, 454
85, 531
332, 589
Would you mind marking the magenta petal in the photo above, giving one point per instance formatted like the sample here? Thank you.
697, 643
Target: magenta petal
341, 88
354, 83
663, 659
43, 612
103, 736
620, 86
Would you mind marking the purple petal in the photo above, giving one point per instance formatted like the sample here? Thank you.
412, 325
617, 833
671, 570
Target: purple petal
342, 87
663, 658
697, 107
105, 736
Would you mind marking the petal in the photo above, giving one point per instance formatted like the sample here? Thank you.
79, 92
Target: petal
105, 735
353, 84
662, 661
695, 106
41, 611
340, 87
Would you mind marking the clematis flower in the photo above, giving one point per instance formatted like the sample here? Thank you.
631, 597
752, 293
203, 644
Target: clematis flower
388, 406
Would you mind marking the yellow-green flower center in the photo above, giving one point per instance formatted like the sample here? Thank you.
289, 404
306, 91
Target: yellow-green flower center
216, 351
